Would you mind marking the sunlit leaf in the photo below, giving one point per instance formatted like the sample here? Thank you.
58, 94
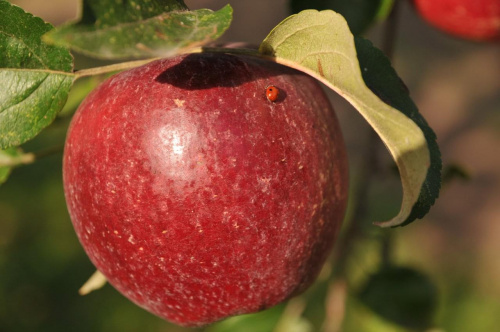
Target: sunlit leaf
320, 44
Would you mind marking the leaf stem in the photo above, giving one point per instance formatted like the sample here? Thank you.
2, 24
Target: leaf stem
232, 50
112, 68
132, 64
13, 161
29, 157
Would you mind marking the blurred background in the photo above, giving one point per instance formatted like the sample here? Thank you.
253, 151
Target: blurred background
456, 85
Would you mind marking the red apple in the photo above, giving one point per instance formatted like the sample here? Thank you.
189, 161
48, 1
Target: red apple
470, 19
197, 196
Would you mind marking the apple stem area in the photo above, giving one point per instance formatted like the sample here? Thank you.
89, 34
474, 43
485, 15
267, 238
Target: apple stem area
132, 64
112, 68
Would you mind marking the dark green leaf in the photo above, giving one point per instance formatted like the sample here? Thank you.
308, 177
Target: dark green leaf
21, 45
36, 78
131, 31
359, 14
383, 80
401, 295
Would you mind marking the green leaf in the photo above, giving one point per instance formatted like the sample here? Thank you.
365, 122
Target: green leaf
383, 80
160, 31
30, 102
359, 14
401, 295
36, 77
21, 45
320, 44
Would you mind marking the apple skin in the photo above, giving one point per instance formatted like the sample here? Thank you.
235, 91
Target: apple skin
470, 19
196, 196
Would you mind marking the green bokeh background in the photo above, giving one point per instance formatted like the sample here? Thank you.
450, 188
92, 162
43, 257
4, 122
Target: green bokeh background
457, 87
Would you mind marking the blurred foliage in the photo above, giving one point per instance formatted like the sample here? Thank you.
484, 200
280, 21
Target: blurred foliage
80, 89
402, 295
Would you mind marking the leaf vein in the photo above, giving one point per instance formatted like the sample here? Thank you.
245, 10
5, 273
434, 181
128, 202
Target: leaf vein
296, 31
27, 47
33, 90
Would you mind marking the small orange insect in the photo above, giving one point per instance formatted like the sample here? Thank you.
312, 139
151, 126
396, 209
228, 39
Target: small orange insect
272, 93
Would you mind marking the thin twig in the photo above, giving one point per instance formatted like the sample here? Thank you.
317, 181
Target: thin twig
386, 249
388, 45
291, 315
335, 306
132, 64
370, 166
58, 149
390, 31
354, 229
369, 170
30, 157
112, 68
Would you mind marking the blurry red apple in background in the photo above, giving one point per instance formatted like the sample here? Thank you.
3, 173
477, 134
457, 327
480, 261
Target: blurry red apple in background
470, 19
199, 191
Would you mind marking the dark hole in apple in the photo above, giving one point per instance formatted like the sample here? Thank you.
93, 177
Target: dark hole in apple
204, 71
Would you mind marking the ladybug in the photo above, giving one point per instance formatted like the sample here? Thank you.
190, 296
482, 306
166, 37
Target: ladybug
272, 93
